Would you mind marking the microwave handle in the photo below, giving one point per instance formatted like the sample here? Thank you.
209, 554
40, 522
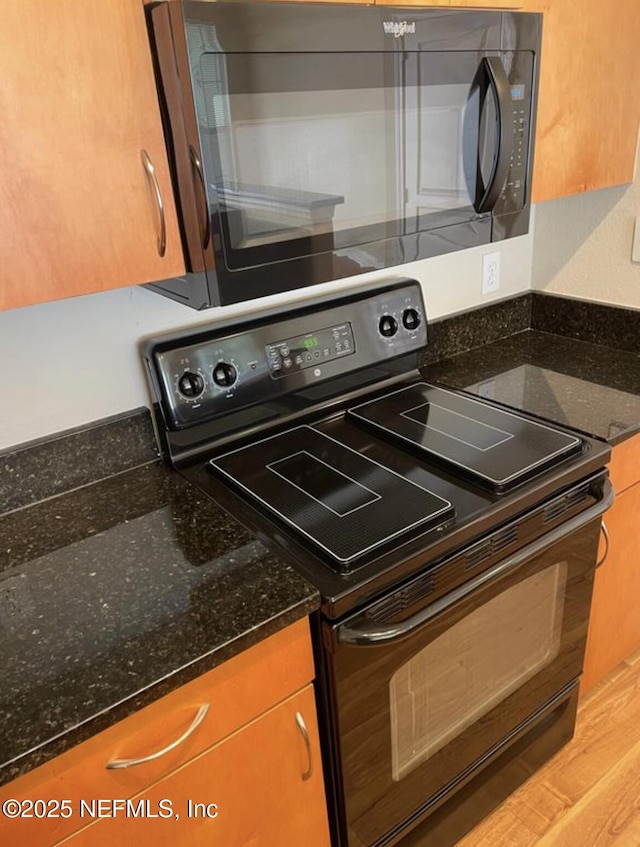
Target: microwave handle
361, 632
205, 226
488, 195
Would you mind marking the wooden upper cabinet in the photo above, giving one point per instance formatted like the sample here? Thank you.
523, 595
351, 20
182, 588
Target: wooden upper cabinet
589, 108
78, 211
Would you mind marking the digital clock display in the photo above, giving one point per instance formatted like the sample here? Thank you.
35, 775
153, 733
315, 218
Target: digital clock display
310, 343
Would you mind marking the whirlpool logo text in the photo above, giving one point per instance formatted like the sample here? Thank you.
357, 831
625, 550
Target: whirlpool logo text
399, 28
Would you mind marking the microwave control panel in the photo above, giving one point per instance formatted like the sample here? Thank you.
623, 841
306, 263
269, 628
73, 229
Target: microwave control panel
514, 195
213, 372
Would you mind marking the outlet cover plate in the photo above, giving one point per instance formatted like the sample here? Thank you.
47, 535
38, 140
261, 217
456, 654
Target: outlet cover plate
490, 273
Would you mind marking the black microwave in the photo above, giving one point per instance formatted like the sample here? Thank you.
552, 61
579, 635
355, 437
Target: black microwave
313, 142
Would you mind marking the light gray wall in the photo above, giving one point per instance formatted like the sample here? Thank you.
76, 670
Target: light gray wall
583, 243
74, 361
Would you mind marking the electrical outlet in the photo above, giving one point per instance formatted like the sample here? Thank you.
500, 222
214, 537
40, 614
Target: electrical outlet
490, 273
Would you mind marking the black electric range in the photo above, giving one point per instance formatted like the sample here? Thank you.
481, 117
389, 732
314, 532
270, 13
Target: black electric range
453, 542
314, 428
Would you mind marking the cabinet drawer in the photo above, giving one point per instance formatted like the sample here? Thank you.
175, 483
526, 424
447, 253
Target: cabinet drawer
262, 786
237, 692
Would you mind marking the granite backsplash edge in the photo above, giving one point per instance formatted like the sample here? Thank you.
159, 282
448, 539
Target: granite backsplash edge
56, 464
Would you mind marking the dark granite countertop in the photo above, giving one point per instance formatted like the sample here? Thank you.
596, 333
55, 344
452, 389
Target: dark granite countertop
118, 592
588, 387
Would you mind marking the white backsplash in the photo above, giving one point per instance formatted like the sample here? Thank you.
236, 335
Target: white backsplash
583, 245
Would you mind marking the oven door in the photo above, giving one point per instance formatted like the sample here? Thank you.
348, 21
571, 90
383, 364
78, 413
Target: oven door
421, 703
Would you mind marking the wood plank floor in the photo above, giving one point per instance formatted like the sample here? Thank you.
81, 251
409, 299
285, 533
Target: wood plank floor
588, 795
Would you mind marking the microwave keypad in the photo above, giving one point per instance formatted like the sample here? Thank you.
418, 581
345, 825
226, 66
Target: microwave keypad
513, 195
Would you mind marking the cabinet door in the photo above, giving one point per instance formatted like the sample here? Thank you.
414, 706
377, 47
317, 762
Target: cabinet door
614, 627
588, 109
78, 211
262, 786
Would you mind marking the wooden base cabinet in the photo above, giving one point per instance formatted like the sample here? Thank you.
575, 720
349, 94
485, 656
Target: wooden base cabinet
231, 759
261, 787
614, 627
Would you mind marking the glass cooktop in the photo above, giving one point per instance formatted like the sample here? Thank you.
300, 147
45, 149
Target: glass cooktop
494, 447
342, 501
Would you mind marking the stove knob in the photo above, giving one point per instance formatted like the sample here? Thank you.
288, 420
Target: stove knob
388, 326
410, 319
190, 385
225, 374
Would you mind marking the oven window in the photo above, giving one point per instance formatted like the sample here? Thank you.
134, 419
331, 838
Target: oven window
473, 666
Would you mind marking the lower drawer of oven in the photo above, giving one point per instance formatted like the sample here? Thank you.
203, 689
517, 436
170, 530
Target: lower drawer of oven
489, 782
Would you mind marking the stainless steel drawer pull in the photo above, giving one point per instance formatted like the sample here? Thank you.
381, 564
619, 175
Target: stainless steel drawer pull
605, 535
153, 179
305, 734
130, 763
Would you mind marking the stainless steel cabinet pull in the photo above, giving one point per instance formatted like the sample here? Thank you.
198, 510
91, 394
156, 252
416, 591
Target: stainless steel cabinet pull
130, 763
153, 179
305, 734
605, 533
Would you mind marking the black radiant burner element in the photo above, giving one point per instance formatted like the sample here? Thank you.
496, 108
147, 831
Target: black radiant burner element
345, 503
494, 447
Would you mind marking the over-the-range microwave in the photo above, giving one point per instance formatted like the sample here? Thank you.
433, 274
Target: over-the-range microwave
312, 142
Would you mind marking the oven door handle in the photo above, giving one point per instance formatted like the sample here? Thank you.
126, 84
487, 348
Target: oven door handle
361, 632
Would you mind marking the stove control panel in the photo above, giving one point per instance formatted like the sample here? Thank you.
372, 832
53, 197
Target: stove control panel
310, 349
223, 368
